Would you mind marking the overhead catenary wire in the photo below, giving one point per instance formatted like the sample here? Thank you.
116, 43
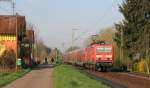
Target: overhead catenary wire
116, 2
4, 9
101, 19
106, 13
81, 35
12, 6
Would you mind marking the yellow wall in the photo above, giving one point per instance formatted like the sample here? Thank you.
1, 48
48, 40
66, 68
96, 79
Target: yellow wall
7, 37
7, 42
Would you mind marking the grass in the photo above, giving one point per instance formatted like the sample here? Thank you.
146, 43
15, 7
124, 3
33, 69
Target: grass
6, 78
66, 76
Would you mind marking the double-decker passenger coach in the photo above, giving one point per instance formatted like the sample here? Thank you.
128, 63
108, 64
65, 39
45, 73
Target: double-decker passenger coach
99, 56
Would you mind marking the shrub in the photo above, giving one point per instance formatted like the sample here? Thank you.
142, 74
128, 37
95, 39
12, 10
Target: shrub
8, 59
142, 65
135, 66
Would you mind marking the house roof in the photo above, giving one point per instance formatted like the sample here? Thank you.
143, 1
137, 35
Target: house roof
29, 35
8, 24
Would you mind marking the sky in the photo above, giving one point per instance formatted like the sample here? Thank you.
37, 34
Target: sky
54, 20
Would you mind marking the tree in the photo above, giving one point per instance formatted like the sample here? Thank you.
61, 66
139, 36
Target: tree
8, 59
55, 55
105, 35
72, 48
41, 50
48, 50
134, 26
133, 32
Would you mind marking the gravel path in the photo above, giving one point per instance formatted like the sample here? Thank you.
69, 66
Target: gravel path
40, 77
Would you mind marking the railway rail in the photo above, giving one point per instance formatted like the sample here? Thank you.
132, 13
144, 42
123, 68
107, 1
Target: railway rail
105, 81
138, 75
120, 79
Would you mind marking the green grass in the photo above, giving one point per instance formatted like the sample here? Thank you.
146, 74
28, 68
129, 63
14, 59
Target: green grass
66, 76
6, 78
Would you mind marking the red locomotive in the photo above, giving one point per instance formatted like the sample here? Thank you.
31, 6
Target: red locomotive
97, 56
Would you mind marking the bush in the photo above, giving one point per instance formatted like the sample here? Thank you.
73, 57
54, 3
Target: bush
116, 62
135, 66
8, 59
140, 66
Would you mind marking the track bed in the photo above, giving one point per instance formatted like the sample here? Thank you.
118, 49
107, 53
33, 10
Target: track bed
124, 79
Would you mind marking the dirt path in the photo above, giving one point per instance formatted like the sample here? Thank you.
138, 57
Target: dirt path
41, 77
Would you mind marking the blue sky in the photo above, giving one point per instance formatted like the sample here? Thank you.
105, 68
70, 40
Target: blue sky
55, 19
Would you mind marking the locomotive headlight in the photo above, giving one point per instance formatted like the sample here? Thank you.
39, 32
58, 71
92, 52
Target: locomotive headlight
109, 56
99, 56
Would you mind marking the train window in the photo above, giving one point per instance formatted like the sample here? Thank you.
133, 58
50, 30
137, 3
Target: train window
100, 49
104, 49
108, 49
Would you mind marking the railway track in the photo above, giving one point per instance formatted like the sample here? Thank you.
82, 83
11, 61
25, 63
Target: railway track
138, 75
120, 79
104, 80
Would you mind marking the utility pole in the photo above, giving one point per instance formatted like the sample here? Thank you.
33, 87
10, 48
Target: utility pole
13, 7
56, 54
16, 21
16, 41
147, 47
94, 38
147, 16
121, 48
73, 33
12, 3
63, 45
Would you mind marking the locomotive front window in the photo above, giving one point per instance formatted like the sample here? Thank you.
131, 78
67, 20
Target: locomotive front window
101, 49
104, 49
108, 49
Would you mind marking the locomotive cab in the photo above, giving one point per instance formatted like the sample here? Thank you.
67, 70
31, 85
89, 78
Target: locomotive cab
104, 56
